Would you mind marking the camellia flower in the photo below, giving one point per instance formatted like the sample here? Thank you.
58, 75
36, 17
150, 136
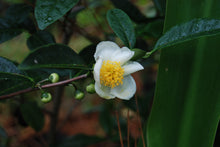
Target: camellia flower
112, 71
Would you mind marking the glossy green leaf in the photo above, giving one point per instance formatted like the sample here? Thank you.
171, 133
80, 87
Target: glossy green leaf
79, 140
122, 26
193, 29
12, 82
48, 11
8, 66
52, 56
39, 39
186, 108
32, 115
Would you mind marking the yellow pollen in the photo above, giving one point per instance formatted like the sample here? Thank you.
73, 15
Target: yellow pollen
111, 73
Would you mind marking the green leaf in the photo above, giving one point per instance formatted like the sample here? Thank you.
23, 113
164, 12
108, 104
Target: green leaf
17, 13
185, 111
129, 8
79, 140
8, 66
88, 54
11, 82
193, 29
161, 6
7, 31
152, 29
138, 53
58, 58
52, 56
32, 115
14, 21
39, 39
48, 11
122, 26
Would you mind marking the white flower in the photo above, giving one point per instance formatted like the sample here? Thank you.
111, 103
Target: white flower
112, 71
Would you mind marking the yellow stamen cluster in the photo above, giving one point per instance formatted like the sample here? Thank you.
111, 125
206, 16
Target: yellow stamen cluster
111, 73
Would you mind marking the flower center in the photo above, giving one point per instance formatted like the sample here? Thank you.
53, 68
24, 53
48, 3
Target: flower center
111, 73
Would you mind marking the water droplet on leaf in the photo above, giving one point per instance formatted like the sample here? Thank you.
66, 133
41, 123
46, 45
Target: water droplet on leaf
49, 19
35, 61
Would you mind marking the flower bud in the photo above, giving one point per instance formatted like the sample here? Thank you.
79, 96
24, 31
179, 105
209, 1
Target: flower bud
46, 97
79, 95
90, 88
54, 77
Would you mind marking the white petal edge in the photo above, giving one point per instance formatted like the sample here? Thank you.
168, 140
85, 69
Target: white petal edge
103, 91
127, 90
105, 49
123, 55
131, 67
96, 71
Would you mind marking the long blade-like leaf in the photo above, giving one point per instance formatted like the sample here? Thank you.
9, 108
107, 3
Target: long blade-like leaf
186, 108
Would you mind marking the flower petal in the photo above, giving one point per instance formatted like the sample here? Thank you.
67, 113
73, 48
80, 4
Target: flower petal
126, 90
123, 55
105, 49
103, 91
96, 71
131, 67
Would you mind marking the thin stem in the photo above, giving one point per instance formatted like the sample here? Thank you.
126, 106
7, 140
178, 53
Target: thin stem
128, 131
43, 86
54, 117
119, 128
139, 121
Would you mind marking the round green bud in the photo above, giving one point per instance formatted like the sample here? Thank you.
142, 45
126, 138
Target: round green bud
79, 95
90, 88
46, 97
54, 77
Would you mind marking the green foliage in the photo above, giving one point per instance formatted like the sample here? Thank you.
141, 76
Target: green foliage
79, 140
138, 53
161, 6
48, 11
14, 21
193, 29
87, 54
7, 30
152, 29
122, 26
189, 115
39, 39
17, 13
8, 66
130, 9
11, 82
52, 58
32, 115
